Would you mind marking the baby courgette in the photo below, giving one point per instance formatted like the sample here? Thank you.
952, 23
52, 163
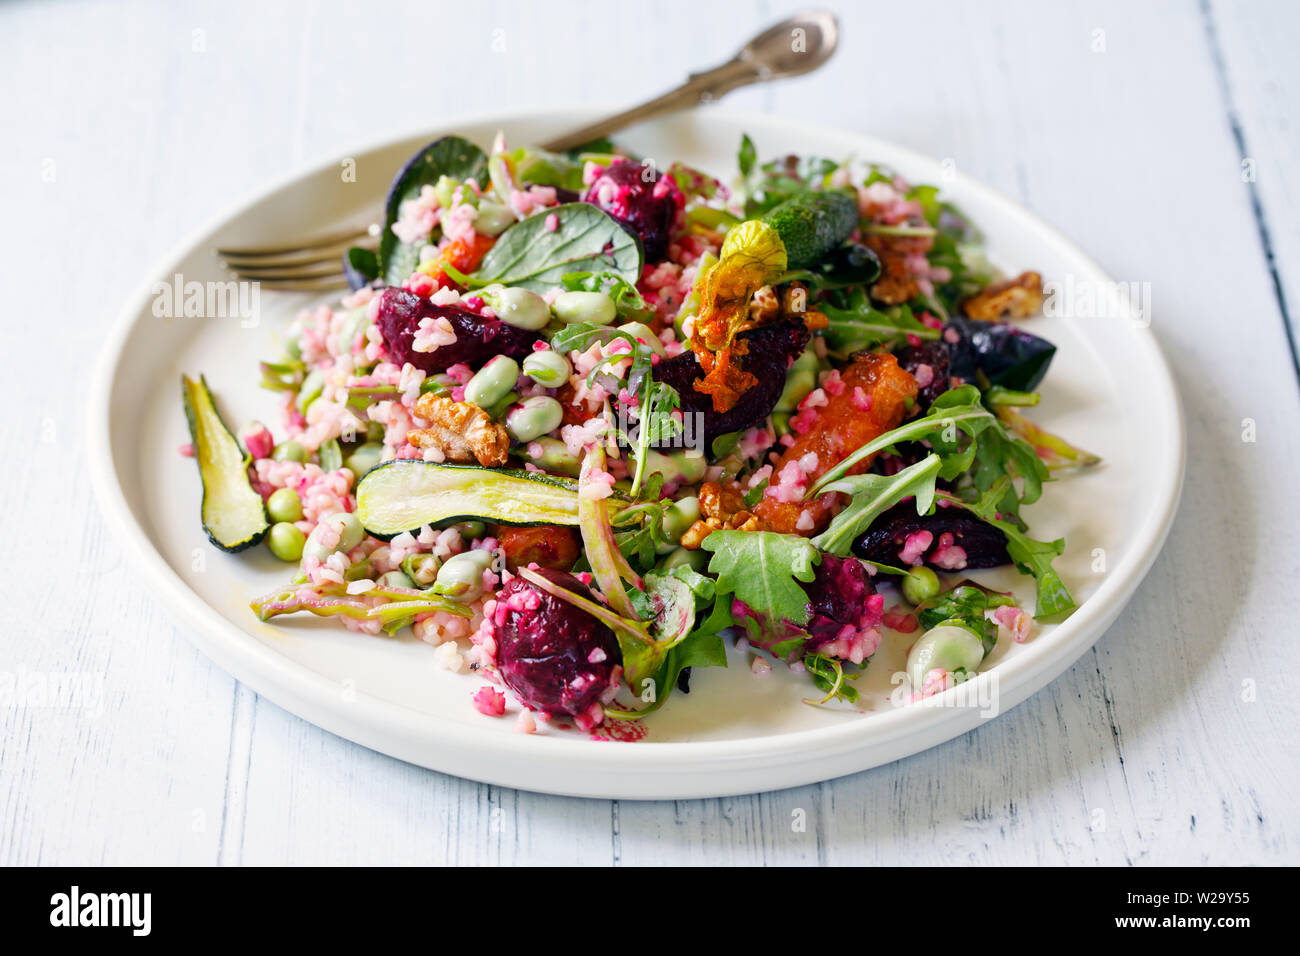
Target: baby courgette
404, 495
812, 224
233, 513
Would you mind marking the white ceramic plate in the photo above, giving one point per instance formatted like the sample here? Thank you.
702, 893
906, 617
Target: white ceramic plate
1108, 390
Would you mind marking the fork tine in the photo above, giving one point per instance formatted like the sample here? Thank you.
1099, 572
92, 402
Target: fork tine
305, 285
319, 242
280, 274
306, 258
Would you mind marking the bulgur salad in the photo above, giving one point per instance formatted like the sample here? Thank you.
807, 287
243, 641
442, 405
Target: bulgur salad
582, 422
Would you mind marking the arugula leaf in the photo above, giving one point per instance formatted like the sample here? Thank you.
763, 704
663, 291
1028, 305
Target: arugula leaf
449, 156
859, 325
703, 647
747, 156
1030, 556
532, 256
872, 496
763, 569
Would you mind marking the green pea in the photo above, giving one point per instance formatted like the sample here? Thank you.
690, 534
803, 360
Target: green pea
951, 646
421, 568
550, 369
533, 418
584, 307
678, 517
553, 456
286, 541
284, 505
461, 576
470, 530
492, 382
518, 307
350, 534
289, 451
396, 579
920, 584
493, 219
364, 457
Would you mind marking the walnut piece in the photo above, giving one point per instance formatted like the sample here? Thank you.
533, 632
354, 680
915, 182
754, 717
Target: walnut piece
722, 508
1020, 298
461, 431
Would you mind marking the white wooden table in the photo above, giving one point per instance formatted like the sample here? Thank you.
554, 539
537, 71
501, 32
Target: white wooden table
1161, 136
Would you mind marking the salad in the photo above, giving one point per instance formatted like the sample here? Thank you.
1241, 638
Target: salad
582, 422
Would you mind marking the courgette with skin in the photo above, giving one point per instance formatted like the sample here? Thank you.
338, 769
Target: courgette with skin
233, 514
405, 495
812, 224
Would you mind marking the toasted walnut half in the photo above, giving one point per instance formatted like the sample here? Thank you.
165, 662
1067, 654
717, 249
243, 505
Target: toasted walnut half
1020, 298
722, 508
462, 431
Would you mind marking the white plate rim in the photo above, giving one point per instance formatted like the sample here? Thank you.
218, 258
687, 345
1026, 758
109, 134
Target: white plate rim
647, 770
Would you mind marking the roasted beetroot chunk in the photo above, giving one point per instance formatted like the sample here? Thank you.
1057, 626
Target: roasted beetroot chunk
643, 199
1009, 356
771, 349
844, 605
983, 546
928, 363
556, 657
477, 338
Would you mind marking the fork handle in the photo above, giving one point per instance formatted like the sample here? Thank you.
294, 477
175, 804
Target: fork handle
699, 88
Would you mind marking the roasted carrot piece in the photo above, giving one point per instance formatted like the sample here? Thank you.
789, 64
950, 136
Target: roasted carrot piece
875, 397
463, 255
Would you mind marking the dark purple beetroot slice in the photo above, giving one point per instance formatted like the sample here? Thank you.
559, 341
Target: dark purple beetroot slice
928, 361
838, 596
985, 546
771, 350
554, 656
1009, 356
643, 199
477, 339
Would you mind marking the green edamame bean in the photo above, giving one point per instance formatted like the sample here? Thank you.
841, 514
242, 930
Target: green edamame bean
553, 456
550, 369
286, 541
697, 560
289, 451
493, 219
284, 505
921, 584
533, 418
678, 517
364, 457
643, 334
396, 579
584, 307
518, 307
951, 646
493, 382
799, 381
421, 568
461, 576
350, 533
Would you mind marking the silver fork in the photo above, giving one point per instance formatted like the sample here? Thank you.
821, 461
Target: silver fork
797, 45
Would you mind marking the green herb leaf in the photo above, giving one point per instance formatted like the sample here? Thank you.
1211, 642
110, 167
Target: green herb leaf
450, 156
531, 256
872, 496
763, 569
